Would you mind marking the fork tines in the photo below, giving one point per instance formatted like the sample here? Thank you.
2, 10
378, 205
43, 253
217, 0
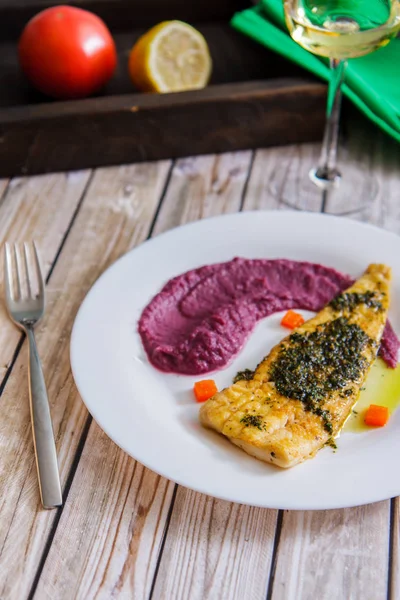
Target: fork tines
22, 272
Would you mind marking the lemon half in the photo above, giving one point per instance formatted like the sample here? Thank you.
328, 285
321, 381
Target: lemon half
171, 57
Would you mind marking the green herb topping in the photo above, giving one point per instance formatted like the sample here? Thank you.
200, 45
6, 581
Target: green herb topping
246, 374
331, 443
347, 302
253, 421
315, 364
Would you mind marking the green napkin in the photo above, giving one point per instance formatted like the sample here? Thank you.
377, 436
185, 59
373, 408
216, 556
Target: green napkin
372, 81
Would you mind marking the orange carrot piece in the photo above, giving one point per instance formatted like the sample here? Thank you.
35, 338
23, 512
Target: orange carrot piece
203, 390
376, 416
292, 320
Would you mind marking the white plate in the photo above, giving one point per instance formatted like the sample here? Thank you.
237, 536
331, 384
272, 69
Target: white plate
153, 416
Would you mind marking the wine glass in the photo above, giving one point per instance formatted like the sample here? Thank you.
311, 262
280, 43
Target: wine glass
339, 30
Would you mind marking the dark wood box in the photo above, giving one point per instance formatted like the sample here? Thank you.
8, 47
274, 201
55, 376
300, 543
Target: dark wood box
255, 98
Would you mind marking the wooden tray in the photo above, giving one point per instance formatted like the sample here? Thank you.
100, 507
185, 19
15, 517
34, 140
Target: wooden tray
256, 98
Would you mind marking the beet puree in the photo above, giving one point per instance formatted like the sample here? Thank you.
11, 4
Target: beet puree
202, 318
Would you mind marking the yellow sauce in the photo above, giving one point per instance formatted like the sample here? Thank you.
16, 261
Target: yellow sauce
381, 387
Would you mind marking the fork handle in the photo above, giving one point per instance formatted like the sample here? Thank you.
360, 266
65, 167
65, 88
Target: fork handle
43, 436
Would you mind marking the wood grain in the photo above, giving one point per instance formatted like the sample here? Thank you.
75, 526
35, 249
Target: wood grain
3, 186
345, 553
140, 127
122, 559
203, 186
394, 543
333, 555
216, 549
110, 532
279, 179
40, 207
370, 164
116, 214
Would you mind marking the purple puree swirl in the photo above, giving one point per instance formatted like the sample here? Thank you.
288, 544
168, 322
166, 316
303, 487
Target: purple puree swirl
201, 319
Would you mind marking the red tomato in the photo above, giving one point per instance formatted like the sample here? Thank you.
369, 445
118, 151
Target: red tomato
67, 52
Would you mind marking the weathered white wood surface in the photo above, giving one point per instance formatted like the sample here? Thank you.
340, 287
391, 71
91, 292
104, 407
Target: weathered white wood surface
40, 207
203, 186
124, 532
334, 554
3, 186
117, 213
278, 179
122, 560
394, 545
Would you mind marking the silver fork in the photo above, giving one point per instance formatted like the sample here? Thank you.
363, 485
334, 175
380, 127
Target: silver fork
26, 309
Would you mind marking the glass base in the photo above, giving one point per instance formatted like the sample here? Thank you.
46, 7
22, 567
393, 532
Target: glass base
325, 179
297, 187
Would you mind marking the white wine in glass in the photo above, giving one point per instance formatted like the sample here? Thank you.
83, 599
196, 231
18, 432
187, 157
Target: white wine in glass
338, 30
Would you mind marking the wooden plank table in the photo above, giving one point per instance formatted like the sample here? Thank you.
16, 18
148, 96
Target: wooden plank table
123, 531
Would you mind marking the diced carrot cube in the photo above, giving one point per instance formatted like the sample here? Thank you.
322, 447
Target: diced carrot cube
376, 416
203, 390
292, 320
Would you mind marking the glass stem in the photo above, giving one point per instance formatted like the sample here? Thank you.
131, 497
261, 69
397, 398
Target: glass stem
326, 175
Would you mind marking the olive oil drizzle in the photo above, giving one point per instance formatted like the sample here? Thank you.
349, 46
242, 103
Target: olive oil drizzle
382, 387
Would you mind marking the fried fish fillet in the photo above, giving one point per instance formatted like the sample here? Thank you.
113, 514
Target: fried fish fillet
301, 394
